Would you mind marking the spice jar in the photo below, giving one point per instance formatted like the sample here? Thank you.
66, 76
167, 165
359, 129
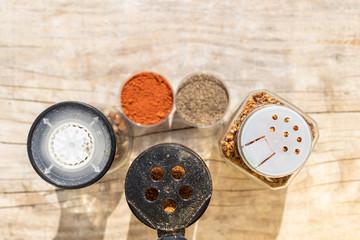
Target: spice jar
73, 144
146, 100
122, 133
269, 139
202, 100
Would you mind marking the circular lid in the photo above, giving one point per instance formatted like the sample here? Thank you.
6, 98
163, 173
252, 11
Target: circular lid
274, 141
71, 145
168, 187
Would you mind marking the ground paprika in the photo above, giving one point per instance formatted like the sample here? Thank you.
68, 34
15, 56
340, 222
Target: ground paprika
146, 98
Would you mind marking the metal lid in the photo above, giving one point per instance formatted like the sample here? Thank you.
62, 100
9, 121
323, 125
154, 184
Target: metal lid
71, 145
168, 187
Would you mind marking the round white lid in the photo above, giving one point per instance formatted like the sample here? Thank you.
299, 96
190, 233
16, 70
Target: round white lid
274, 141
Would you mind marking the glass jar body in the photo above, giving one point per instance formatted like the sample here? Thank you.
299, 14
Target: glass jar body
122, 134
229, 146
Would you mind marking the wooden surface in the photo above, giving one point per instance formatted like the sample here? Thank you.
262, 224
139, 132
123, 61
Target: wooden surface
307, 51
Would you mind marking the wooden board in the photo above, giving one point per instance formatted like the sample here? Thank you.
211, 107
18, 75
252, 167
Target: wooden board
307, 51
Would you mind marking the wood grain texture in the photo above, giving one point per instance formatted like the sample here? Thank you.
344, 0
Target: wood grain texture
307, 51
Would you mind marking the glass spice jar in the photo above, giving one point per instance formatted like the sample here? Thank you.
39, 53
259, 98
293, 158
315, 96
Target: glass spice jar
122, 133
269, 139
202, 100
146, 101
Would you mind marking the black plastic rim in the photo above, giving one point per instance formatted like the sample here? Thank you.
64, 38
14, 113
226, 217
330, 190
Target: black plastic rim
108, 127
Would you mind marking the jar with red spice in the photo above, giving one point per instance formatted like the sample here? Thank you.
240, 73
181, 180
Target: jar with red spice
269, 139
146, 100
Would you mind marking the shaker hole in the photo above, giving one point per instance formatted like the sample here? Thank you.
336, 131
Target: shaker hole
151, 194
297, 151
272, 129
275, 117
169, 205
285, 148
296, 128
185, 192
157, 173
286, 134
286, 119
178, 172
299, 139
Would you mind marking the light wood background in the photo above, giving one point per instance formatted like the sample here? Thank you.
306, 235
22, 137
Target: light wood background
307, 51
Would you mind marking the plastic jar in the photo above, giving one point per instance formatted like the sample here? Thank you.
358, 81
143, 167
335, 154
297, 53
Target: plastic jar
73, 144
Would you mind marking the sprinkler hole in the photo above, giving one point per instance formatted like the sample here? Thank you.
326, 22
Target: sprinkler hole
299, 139
286, 134
169, 205
178, 172
272, 129
185, 192
275, 117
286, 119
285, 148
157, 173
151, 194
296, 128
297, 151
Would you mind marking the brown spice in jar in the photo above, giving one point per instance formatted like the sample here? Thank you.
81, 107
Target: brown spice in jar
202, 99
229, 146
121, 135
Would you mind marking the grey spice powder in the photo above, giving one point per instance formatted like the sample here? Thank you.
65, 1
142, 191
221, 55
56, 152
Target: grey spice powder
202, 99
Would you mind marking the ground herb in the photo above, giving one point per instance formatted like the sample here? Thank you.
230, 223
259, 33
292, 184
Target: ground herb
202, 99
228, 144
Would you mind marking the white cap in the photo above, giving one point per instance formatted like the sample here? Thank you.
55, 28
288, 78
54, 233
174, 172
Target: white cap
274, 141
71, 145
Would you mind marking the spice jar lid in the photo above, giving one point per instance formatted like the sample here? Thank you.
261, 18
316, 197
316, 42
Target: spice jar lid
71, 145
168, 187
274, 141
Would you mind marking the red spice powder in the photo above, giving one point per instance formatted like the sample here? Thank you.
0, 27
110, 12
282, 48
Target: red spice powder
146, 98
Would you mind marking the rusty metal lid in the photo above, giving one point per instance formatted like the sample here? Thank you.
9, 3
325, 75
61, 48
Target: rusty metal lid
168, 187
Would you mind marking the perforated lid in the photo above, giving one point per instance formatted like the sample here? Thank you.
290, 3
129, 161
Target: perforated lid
71, 145
168, 187
274, 140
